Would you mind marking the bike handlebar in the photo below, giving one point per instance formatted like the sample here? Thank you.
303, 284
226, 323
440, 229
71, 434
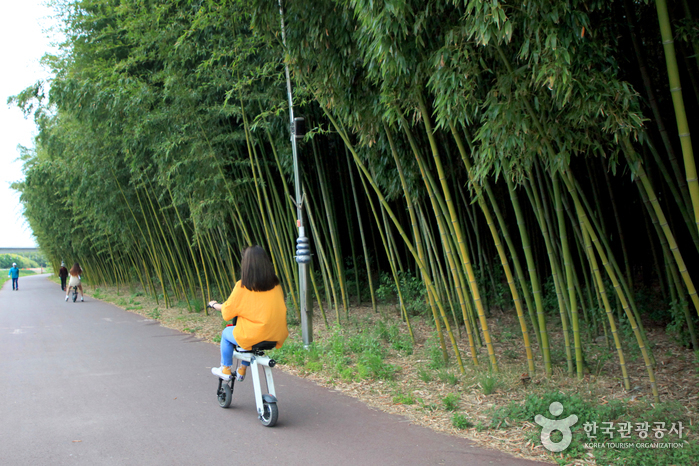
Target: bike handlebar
234, 321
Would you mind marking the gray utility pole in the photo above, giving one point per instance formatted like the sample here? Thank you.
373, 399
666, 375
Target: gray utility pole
303, 247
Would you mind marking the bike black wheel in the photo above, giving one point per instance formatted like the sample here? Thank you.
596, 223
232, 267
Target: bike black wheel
225, 396
270, 413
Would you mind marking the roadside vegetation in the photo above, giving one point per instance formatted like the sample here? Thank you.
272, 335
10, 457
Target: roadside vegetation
372, 357
22, 261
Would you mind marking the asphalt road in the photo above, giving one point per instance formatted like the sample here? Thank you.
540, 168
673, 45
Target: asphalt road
91, 384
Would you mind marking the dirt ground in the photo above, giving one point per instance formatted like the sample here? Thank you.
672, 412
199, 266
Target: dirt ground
676, 374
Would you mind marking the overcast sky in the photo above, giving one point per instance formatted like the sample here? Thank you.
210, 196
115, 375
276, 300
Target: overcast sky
23, 33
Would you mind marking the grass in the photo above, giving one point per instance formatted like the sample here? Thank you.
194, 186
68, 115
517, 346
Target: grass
424, 375
488, 383
451, 402
426, 406
404, 399
447, 377
346, 355
460, 421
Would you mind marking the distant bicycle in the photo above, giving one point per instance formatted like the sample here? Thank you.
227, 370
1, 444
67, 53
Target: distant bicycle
75, 293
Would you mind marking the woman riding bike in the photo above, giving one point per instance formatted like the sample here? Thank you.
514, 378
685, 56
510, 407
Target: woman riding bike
74, 275
258, 302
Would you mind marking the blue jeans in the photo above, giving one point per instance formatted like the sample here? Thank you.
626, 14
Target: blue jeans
227, 345
15, 283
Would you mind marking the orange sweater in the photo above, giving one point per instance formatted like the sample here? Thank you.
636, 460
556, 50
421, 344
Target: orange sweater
261, 315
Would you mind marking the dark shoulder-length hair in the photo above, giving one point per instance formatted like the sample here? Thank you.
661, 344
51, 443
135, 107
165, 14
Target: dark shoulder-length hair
76, 270
257, 271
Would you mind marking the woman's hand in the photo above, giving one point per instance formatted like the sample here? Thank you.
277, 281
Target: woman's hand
212, 304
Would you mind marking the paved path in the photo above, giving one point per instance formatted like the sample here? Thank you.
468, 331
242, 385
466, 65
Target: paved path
91, 384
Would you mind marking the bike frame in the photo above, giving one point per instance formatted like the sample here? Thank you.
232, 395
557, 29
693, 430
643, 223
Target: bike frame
255, 363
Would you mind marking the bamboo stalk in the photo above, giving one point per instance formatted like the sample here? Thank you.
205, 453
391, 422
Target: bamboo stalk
678, 104
533, 276
503, 258
563, 235
555, 273
386, 245
325, 266
613, 277
664, 225
401, 232
370, 281
339, 269
605, 300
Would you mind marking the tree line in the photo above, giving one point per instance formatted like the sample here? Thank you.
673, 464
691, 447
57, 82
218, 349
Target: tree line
469, 154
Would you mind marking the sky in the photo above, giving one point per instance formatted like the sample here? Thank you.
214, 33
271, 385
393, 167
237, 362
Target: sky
23, 31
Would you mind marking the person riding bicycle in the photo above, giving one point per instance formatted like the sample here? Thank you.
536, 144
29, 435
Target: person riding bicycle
74, 274
257, 301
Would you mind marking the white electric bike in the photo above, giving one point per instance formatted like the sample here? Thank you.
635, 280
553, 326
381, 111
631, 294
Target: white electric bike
267, 411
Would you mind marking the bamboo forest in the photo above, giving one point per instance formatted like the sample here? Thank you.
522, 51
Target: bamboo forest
477, 158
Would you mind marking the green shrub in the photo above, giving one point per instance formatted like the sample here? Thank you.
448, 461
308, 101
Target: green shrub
412, 290
404, 399
314, 366
346, 373
365, 343
371, 365
391, 334
434, 353
488, 383
451, 402
22, 262
292, 352
427, 406
424, 374
447, 377
460, 421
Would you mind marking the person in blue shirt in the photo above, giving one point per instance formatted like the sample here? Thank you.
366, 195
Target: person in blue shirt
14, 274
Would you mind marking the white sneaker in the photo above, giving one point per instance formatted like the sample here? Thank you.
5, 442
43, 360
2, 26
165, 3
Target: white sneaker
82, 300
238, 376
218, 372
66, 298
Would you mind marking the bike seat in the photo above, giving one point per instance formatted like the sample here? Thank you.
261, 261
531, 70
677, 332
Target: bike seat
258, 348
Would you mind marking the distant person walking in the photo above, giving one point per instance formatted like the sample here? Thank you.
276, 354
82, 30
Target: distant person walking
75, 273
14, 274
63, 273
